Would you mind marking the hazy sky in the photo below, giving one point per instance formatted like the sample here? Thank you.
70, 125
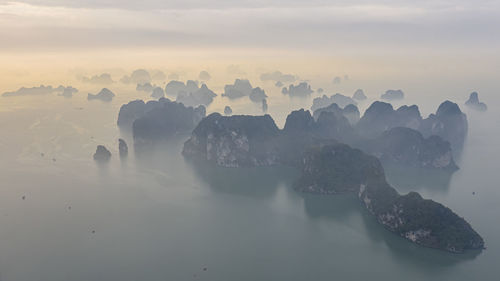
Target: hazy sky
326, 26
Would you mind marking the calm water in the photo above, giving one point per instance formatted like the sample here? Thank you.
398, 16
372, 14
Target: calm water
156, 217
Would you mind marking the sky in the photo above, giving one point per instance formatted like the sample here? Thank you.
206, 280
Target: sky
315, 26
44, 41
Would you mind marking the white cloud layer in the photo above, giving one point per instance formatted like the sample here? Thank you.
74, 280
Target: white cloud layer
272, 23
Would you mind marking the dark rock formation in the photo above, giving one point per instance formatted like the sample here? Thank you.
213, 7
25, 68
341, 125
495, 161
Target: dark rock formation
450, 123
41, 90
359, 95
351, 112
138, 76
408, 148
301, 90
264, 105
145, 87
164, 119
299, 121
380, 117
240, 88
68, 92
400, 146
123, 148
474, 103
129, 112
157, 93
257, 95
204, 76
102, 154
278, 76
325, 101
393, 95
174, 87
338, 168
104, 95
234, 141
228, 110
278, 84
201, 96
104, 78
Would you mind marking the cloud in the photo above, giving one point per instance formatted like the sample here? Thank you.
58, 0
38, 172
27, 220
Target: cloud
337, 80
341, 25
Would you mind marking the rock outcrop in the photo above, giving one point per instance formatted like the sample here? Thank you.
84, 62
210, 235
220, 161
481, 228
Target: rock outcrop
393, 95
359, 95
450, 123
166, 119
104, 95
102, 154
350, 112
264, 105
122, 148
235, 141
158, 93
325, 101
338, 168
240, 88
403, 147
301, 90
408, 148
257, 95
145, 87
381, 116
190, 97
158, 119
474, 103
68, 92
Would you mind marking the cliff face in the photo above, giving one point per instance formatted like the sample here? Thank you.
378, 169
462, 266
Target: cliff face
474, 103
449, 122
407, 147
165, 120
338, 168
230, 141
381, 116
160, 119
235, 141
421, 221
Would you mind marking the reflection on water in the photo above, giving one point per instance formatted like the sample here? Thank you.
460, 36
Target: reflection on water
411, 179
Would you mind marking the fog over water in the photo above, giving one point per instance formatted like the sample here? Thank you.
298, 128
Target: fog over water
155, 216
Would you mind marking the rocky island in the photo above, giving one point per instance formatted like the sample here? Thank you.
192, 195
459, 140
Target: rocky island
329, 167
102, 154
393, 95
474, 103
104, 95
157, 120
339, 168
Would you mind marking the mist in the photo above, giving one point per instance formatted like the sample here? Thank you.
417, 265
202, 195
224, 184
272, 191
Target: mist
158, 75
